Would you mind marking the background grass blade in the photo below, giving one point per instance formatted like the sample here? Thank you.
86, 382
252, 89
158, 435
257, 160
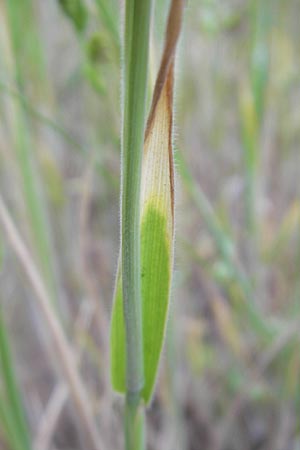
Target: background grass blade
227, 254
17, 58
63, 350
11, 410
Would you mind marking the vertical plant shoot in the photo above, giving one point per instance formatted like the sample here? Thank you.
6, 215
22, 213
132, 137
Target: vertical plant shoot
156, 225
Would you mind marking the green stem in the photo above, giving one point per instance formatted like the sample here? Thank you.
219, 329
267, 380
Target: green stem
134, 423
135, 70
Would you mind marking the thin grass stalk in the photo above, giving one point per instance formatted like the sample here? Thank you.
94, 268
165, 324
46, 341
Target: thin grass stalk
32, 189
12, 414
135, 75
10, 436
63, 350
60, 394
227, 251
40, 117
108, 13
253, 100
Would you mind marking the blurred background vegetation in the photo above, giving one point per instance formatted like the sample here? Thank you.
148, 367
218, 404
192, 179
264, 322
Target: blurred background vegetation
229, 377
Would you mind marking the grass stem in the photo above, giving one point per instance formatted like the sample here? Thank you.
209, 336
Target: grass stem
63, 350
135, 71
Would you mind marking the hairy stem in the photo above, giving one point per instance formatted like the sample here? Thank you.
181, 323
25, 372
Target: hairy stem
135, 70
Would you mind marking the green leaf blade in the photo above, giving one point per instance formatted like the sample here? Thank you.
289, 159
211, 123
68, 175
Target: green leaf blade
156, 281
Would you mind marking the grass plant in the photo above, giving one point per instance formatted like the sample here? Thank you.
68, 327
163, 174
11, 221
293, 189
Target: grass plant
143, 283
229, 372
